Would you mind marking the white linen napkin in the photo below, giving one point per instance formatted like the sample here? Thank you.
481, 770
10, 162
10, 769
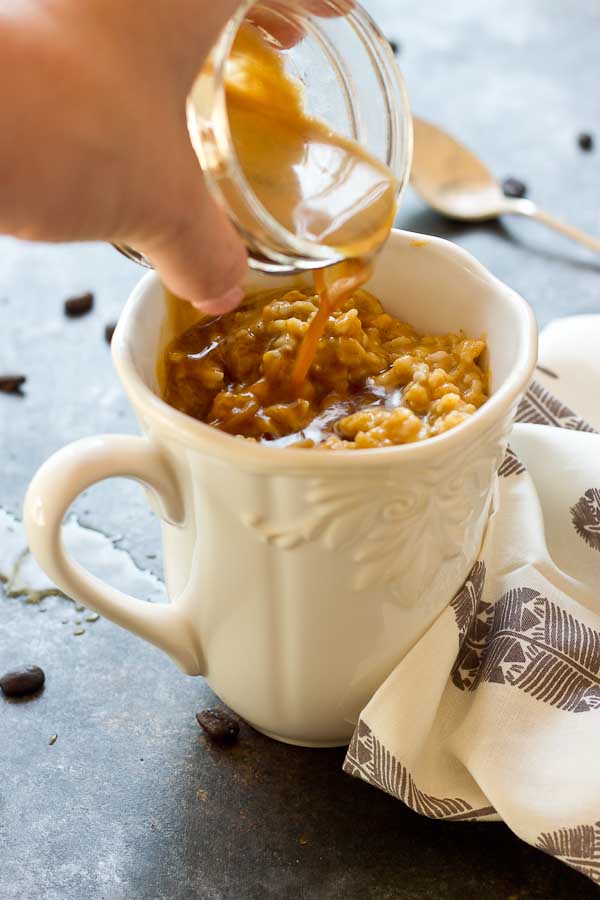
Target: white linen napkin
495, 713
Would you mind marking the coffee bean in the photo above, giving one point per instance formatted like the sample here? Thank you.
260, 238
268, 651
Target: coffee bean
22, 681
514, 187
220, 726
585, 140
79, 306
395, 46
12, 384
109, 330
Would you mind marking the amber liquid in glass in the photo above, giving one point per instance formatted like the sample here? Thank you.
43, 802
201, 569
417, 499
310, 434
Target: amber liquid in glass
320, 186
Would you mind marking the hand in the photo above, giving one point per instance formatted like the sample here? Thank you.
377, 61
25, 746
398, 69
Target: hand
93, 135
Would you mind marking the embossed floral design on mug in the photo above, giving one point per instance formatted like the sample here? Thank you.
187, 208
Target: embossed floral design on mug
299, 578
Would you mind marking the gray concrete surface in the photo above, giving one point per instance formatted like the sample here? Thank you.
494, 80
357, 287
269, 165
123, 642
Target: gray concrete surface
130, 803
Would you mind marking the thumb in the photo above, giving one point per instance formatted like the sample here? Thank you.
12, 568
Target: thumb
198, 252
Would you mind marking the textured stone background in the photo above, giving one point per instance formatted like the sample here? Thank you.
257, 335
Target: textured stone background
130, 803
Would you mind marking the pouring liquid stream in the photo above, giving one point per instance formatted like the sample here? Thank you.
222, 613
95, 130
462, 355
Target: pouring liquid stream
320, 186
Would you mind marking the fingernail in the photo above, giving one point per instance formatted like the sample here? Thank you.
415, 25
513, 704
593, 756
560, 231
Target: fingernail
219, 305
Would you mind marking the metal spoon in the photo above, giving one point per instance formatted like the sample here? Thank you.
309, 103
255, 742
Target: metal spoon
456, 183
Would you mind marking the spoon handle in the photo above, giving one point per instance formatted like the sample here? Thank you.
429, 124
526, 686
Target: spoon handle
527, 208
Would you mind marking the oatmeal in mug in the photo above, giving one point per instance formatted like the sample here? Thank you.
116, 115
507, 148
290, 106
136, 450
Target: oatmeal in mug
298, 579
374, 381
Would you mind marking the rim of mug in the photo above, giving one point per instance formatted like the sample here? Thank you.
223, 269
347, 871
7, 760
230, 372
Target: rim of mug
245, 453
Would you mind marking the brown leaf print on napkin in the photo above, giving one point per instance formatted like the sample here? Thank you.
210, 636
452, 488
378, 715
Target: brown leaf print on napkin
540, 407
370, 760
586, 518
511, 464
525, 641
468, 599
546, 371
578, 847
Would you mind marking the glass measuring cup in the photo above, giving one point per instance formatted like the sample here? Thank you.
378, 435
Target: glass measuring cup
350, 81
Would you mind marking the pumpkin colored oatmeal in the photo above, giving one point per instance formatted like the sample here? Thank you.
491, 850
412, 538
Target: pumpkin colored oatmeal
374, 382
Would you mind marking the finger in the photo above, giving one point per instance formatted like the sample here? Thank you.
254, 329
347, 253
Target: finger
279, 17
198, 253
326, 9
279, 24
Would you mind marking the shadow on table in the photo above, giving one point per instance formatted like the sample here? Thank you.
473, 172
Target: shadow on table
262, 820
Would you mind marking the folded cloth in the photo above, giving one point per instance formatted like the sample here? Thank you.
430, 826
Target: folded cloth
495, 713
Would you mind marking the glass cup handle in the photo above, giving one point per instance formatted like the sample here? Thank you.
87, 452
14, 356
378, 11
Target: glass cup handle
54, 488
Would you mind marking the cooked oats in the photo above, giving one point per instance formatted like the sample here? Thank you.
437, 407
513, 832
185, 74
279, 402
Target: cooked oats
375, 382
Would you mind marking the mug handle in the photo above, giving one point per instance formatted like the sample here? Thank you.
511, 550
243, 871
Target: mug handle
54, 488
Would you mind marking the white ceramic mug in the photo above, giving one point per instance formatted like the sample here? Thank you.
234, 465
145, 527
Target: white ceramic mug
298, 578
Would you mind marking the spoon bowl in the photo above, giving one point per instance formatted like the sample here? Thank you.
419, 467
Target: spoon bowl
457, 184
451, 178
